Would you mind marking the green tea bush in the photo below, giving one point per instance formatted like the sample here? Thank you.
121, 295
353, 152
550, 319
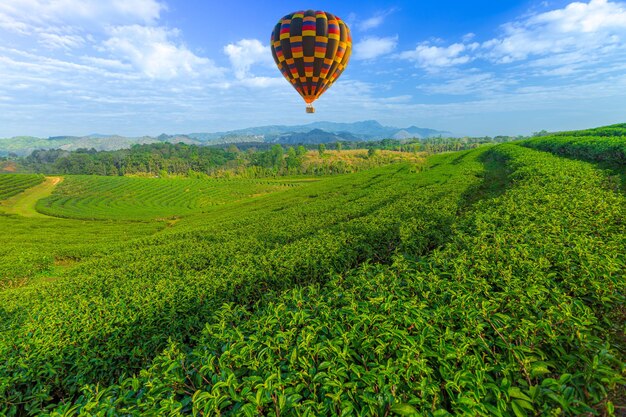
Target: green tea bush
519, 312
33, 249
111, 315
12, 184
611, 150
489, 283
123, 198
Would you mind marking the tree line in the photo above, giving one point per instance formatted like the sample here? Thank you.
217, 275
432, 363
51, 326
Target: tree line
248, 159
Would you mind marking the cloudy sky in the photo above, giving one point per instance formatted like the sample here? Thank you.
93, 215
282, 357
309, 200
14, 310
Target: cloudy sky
135, 67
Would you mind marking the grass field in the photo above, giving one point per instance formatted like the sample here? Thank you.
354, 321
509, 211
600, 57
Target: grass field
484, 282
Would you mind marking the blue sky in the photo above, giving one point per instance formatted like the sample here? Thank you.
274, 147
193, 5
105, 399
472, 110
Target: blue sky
143, 67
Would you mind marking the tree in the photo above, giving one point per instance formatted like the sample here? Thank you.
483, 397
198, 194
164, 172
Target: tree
301, 151
277, 154
339, 146
321, 149
293, 161
371, 152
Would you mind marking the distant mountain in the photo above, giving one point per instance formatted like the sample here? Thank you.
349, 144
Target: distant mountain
98, 136
178, 139
366, 130
312, 133
369, 129
313, 137
25, 145
425, 132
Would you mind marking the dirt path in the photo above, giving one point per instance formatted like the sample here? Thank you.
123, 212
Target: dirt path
24, 203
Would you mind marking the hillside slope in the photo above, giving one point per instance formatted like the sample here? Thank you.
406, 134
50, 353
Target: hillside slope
486, 282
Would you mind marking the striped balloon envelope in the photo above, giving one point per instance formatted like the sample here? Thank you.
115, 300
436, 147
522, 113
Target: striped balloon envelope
311, 49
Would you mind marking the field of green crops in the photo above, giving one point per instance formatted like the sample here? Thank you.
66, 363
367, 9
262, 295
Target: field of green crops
42, 249
122, 198
12, 184
484, 282
607, 145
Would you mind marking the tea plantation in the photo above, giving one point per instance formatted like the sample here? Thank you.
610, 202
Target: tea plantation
95, 197
484, 282
12, 184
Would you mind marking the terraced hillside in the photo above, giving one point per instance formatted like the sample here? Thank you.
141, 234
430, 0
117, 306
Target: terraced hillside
606, 145
486, 282
12, 184
95, 197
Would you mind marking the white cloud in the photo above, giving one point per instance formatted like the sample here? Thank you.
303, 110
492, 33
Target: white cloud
56, 41
109, 67
375, 21
397, 99
155, 52
570, 69
263, 82
103, 95
246, 53
597, 15
462, 83
434, 57
468, 37
21, 63
578, 35
122, 34
373, 47
112, 64
93, 12
582, 27
12, 25
522, 110
71, 24
372, 22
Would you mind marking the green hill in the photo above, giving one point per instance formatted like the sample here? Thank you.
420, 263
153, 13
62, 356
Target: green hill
482, 282
12, 184
96, 197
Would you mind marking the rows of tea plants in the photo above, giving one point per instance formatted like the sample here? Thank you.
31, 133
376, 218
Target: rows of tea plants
610, 150
520, 312
95, 197
603, 131
33, 249
12, 184
110, 316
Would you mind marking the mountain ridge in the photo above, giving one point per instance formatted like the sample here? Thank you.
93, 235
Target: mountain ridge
311, 133
366, 130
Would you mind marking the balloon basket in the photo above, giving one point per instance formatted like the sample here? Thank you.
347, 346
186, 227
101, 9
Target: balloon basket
310, 109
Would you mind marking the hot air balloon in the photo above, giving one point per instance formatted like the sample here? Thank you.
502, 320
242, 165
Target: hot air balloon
311, 49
